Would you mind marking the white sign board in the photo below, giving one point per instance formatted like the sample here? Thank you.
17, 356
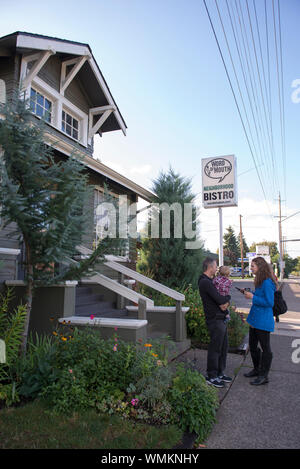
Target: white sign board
262, 250
219, 186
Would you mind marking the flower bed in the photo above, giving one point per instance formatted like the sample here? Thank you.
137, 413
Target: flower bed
77, 371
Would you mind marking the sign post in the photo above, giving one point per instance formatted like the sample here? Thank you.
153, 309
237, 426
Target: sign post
221, 257
219, 188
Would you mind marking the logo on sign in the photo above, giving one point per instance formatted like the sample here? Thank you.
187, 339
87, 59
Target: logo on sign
218, 168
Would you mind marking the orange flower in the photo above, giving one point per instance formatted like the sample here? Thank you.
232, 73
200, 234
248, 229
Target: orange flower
64, 339
147, 345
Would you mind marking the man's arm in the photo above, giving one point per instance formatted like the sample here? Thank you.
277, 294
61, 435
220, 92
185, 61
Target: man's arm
224, 307
214, 294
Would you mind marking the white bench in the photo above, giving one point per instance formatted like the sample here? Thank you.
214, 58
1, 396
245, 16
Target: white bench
159, 309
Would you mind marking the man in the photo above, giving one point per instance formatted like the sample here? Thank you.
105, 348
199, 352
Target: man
215, 306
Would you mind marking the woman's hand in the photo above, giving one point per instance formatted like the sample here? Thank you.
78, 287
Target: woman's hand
248, 295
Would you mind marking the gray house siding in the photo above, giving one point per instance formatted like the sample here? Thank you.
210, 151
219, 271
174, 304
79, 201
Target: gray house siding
9, 72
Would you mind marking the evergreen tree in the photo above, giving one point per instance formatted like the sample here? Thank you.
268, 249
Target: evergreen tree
231, 246
46, 199
167, 260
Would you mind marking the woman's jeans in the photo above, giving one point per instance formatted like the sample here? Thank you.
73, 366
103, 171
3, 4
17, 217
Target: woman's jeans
217, 349
261, 360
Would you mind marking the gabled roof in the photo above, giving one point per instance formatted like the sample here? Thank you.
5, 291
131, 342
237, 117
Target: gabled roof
100, 94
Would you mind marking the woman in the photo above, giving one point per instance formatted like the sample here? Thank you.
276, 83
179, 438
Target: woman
261, 320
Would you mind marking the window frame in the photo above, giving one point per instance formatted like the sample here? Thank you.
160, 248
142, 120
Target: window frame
65, 123
60, 103
45, 97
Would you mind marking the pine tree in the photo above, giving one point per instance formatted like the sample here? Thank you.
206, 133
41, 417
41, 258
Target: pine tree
167, 260
231, 246
46, 199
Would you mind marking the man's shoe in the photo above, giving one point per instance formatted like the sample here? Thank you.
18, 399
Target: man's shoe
215, 382
251, 373
260, 380
225, 378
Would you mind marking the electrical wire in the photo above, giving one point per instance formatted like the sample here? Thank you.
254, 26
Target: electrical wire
237, 105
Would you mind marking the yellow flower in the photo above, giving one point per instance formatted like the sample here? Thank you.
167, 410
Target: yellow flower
147, 345
64, 339
54, 333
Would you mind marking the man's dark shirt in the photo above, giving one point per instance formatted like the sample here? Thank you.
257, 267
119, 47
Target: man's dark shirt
211, 299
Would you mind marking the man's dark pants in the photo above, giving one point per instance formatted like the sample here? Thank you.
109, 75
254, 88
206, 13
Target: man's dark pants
217, 349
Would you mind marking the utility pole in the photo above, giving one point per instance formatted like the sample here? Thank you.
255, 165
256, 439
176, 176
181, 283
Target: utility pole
242, 247
280, 241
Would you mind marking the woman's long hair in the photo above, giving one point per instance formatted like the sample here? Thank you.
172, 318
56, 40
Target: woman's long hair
264, 271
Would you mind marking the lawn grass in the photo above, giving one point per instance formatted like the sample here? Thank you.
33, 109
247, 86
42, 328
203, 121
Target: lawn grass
32, 426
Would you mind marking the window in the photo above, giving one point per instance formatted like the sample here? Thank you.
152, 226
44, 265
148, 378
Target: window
40, 105
69, 125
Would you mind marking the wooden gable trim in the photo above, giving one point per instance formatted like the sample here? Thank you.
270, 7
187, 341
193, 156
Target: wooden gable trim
40, 60
66, 80
104, 112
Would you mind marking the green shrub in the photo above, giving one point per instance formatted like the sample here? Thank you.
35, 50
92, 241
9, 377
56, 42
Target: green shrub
195, 317
237, 328
193, 401
11, 330
38, 367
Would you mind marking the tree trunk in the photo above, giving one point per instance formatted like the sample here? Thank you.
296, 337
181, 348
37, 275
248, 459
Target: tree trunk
29, 296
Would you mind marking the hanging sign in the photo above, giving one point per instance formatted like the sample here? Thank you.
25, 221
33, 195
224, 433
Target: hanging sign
219, 185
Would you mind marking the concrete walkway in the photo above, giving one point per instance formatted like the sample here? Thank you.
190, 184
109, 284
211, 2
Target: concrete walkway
263, 417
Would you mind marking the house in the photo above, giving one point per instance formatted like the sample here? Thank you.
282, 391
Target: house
66, 87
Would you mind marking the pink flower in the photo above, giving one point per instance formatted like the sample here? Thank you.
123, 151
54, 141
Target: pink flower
116, 328
134, 401
115, 348
92, 316
70, 371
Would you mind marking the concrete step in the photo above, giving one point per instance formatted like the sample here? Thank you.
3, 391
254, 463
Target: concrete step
88, 299
83, 291
93, 308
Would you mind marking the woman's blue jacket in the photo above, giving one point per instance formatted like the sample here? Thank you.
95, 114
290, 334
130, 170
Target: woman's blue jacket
261, 312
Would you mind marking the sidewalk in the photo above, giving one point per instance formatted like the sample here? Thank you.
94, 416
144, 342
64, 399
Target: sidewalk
263, 417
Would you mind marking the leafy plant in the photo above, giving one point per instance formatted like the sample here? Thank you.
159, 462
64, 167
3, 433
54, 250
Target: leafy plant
193, 402
195, 317
11, 330
237, 328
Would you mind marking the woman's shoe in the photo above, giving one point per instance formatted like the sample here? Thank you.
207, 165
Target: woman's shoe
260, 380
251, 373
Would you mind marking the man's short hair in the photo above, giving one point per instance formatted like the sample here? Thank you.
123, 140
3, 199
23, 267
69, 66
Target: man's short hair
207, 261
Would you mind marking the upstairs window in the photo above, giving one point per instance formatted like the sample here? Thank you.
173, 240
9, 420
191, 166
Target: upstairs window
40, 105
69, 125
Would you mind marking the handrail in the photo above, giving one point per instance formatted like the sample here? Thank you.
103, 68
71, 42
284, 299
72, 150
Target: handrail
115, 287
137, 276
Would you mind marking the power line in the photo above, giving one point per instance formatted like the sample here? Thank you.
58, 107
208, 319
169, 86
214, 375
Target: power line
280, 97
236, 102
240, 54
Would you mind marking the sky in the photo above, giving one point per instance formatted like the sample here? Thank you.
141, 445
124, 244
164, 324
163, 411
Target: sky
163, 67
